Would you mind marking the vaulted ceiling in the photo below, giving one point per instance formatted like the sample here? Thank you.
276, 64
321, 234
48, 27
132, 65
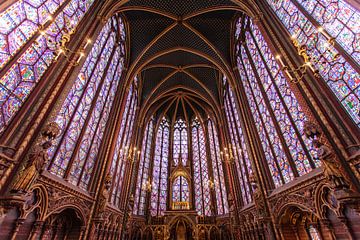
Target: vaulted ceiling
178, 48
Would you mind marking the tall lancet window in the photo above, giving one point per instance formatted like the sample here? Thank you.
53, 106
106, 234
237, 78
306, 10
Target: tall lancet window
218, 171
85, 111
313, 23
277, 113
180, 145
123, 145
201, 171
242, 161
143, 181
28, 33
160, 169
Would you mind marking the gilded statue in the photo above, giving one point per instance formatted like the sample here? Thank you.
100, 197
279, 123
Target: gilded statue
37, 159
257, 196
332, 168
105, 193
331, 165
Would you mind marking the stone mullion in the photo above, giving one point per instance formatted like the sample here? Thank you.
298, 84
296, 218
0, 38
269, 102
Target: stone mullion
235, 126
133, 139
106, 102
214, 208
161, 162
337, 125
39, 104
139, 136
200, 165
251, 137
236, 173
217, 165
229, 178
106, 150
142, 158
339, 130
272, 115
191, 165
253, 142
85, 126
78, 104
151, 166
31, 40
123, 160
120, 109
281, 98
171, 163
257, 141
22, 134
125, 202
337, 46
130, 183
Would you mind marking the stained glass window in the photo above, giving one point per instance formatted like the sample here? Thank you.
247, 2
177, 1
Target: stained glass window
239, 149
180, 190
338, 20
180, 146
27, 46
143, 180
84, 113
160, 169
277, 114
218, 171
201, 172
123, 147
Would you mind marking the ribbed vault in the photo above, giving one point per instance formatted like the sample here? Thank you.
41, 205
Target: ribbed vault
180, 49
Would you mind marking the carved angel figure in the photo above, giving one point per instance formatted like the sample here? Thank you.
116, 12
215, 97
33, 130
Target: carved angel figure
37, 159
105, 193
332, 168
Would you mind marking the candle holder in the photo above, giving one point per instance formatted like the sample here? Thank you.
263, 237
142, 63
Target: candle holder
309, 62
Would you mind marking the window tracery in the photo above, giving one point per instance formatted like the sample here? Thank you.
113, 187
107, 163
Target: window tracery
239, 148
143, 180
180, 142
218, 171
84, 113
160, 169
201, 172
30, 30
315, 22
277, 114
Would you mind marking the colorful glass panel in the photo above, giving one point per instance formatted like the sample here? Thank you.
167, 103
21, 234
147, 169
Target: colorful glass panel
242, 161
144, 168
18, 24
277, 114
218, 171
180, 147
160, 169
85, 111
201, 174
122, 148
342, 22
180, 191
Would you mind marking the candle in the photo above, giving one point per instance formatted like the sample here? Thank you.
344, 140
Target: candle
310, 66
48, 19
280, 60
321, 30
59, 53
87, 43
80, 57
